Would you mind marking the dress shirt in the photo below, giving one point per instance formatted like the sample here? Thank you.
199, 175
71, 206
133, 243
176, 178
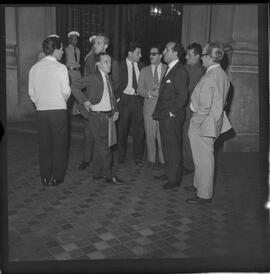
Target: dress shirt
70, 57
49, 84
171, 65
129, 89
104, 104
158, 70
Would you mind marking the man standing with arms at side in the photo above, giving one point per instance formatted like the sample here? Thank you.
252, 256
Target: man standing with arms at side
49, 90
170, 112
208, 121
196, 71
98, 105
130, 105
148, 87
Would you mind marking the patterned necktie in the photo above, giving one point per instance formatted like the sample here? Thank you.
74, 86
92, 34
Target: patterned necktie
75, 55
134, 79
156, 81
110, 91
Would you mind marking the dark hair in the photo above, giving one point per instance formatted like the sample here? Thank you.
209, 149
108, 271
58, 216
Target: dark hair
50, 44
178, 47
98, 56
155, 46
197, 48
132, 45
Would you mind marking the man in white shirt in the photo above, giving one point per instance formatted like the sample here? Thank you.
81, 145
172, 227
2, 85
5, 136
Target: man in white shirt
130, 105
208, 121
98, 106
148, 87
49, 90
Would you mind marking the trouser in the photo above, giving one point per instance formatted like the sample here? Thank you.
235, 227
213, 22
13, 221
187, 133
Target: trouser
187, 154
88, 141
203, 155
72, 103
152, 136
102, 163
53, 141
131, 117
171, 143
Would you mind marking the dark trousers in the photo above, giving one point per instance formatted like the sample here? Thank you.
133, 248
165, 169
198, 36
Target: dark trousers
187, 154
53, 143
131, 117
171, 143
88, 141
102, 162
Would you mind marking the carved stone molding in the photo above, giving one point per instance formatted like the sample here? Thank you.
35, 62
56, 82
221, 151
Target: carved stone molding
11, 56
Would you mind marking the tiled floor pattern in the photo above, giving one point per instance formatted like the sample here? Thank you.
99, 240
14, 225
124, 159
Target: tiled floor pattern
86, 219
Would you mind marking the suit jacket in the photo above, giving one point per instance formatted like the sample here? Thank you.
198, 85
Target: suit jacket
93, 93
123, 77
208, 100
145, 84
90, 67
173, 94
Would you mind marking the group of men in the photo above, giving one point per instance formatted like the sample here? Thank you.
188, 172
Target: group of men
180, 109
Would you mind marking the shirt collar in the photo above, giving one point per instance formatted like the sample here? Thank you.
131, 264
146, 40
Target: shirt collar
213, 66
102, 73
172, 64
129, 62
153, 66
50, 57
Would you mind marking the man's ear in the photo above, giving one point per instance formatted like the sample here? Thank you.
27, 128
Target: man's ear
106, 46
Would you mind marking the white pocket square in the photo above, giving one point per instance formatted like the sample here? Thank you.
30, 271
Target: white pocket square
168, 81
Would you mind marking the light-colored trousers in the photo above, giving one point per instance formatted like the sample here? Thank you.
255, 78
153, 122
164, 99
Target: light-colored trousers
153, 135
203, 156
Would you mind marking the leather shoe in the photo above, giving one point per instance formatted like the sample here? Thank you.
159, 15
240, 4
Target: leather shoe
115, 180
83, 165
162, 177
186, 171
190, 188
170, 186
45, 181
98, 177
198, 200
56, 182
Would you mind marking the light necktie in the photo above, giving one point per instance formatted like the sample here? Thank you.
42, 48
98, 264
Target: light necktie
134, 79
156, 81
110, 91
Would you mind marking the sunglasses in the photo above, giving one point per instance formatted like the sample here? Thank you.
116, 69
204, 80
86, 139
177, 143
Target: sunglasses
154, 53
202, 55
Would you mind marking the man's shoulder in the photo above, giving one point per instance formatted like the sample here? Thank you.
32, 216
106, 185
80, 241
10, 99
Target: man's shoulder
145, 69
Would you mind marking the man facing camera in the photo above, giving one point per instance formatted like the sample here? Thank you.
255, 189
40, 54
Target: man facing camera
170, 112
99, 107
208, 121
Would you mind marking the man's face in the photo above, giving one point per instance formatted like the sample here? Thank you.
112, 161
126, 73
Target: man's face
99, 45
205, 58
192, 58
169, 54
73, 40
105, 64
155, 56
135, 55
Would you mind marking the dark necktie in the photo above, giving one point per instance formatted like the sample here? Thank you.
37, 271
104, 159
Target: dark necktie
134, 79
75, 55
165, 73
156, 81
110, 91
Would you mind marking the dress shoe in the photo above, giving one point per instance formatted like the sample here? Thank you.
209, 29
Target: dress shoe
170, 186
162, 177
45, 181
190, 188
98, 177
115, 180
83, 165
186, 171
56, 182
198, 200
139, 163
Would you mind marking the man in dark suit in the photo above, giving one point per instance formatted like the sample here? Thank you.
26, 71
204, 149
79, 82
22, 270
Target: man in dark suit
170, 111
130, 105
100, 43
98, 105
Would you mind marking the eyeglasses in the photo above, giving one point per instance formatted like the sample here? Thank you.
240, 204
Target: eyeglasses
202, 55
154, 53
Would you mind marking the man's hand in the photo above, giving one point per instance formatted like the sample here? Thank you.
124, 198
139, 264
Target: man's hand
153, 92
87, 105
115, 116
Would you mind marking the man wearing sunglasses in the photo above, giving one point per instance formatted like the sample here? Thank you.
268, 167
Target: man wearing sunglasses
148, 87
208, 121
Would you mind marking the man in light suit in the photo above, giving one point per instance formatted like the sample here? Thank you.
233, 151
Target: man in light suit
170, 112
148, 87
208, 121
98, 105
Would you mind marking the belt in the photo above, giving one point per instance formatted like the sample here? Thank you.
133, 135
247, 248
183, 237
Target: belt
105, 112
71, 68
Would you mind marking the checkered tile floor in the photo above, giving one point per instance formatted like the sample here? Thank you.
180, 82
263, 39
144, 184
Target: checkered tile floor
87, 219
